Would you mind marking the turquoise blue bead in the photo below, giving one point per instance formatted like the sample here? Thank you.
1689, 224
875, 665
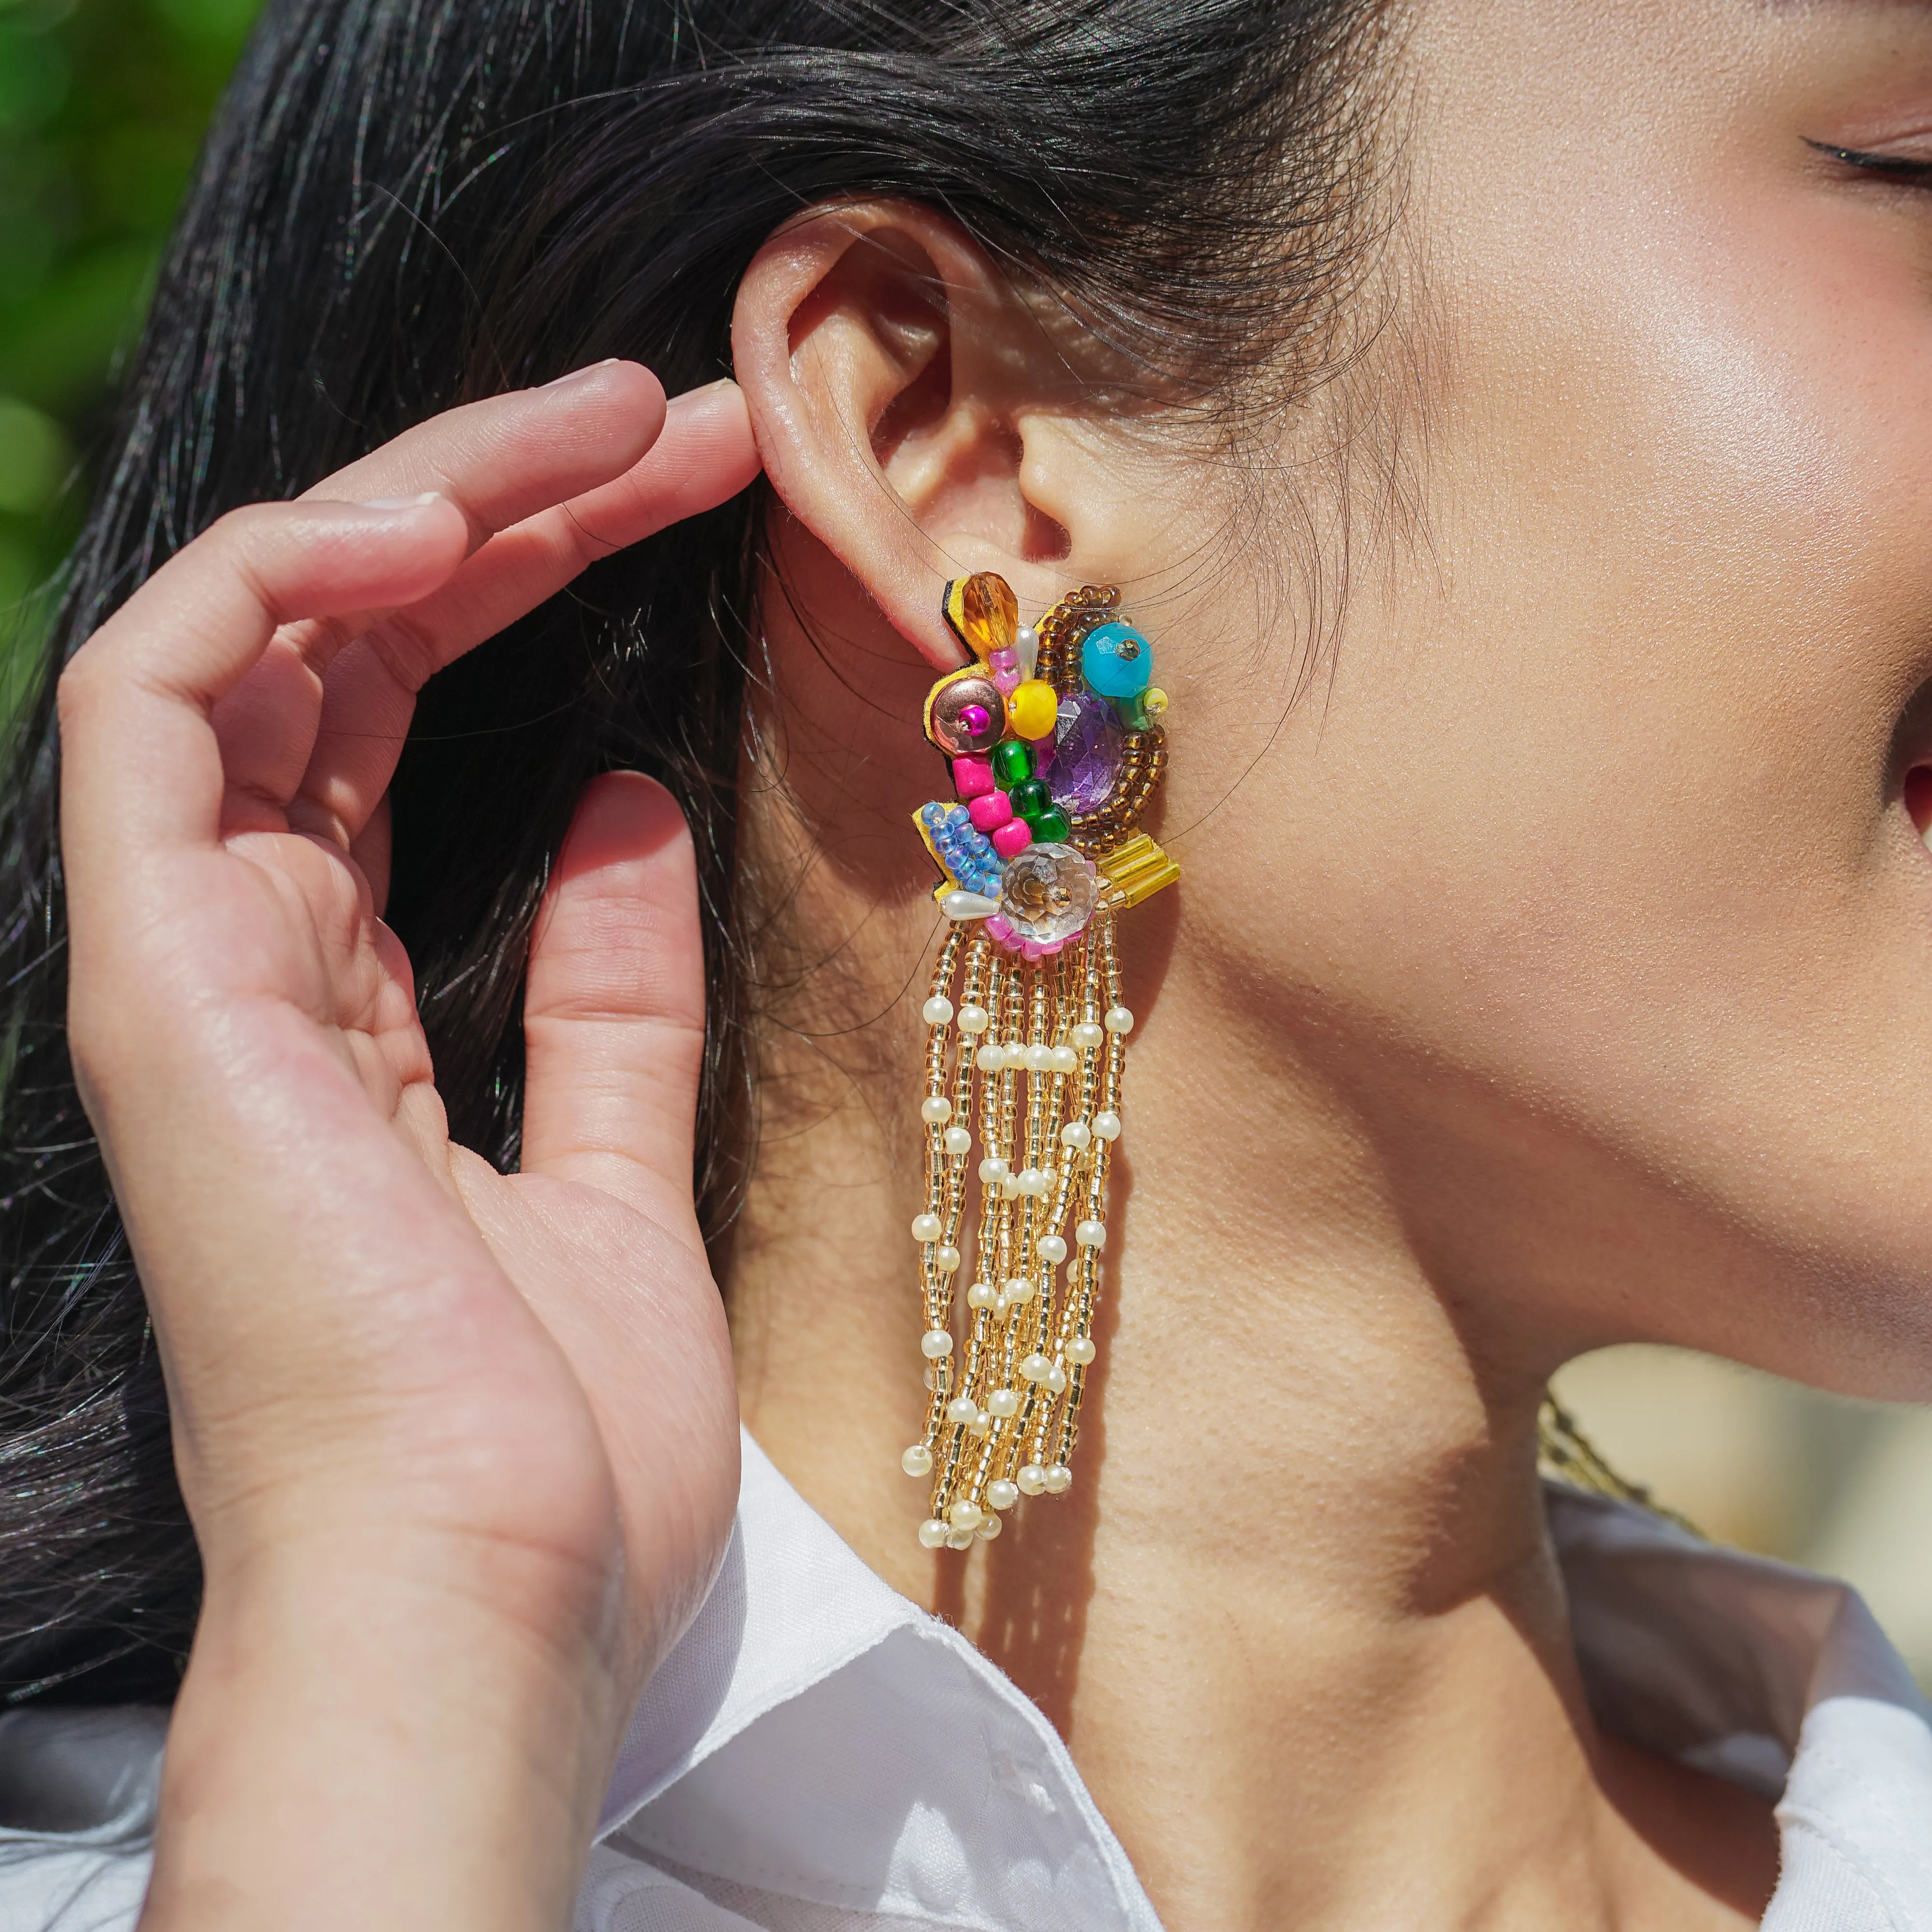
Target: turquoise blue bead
1117, 661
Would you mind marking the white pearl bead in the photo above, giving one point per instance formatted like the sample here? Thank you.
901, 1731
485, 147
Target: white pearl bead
1059, 1480
993, 1169
932, 1534
1040, 1059
917, 1461
1076, 1134
959, 1539
968, 905
1085, 1035
1091, 1234
1003, 1402
1003, 1494
1056, 1382
966, 1513
937, 1011
1080, 1350
1032, 1480
1019, 1292
1118, 1019
990, 1526
991, 1057
1035, 1181
1013, 1053
979, 1295
1052, 1250
926, 1228
982, 1424
973, 1019
1107, 1126
1000, 1307
936, 1344
1066, 1060
936, 1111
1036, 1368
1010, 1188
947, 1258
958, 1140
961, 1410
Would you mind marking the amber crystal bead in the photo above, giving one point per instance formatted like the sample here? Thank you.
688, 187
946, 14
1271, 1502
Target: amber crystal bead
984, 610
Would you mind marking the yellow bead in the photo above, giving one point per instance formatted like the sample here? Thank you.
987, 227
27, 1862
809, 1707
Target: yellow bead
1032, 708
1156, 701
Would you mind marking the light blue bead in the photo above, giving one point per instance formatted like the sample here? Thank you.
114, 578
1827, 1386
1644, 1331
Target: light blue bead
1117, 661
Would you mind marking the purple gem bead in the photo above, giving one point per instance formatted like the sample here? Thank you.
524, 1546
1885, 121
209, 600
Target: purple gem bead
1086, 758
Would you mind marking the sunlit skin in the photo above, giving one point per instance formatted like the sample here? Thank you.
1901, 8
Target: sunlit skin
1549, 969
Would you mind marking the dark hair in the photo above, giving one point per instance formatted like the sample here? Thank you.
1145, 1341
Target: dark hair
404, 204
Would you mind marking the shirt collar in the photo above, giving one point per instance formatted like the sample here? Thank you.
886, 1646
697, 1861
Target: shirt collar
815, 1733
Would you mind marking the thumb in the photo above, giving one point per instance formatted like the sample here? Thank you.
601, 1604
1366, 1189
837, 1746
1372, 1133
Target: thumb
614, 1015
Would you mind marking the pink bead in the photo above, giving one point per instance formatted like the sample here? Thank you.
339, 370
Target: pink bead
996, 928
973, 778
991, 811
1012, 837
1005, 659
1008, 681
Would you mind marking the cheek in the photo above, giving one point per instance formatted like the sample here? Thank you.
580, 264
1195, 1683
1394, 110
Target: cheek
1598, 807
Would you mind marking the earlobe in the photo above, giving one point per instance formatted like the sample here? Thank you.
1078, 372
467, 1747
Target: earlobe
913, 413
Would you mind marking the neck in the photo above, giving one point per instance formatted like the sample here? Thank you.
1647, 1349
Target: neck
1304, 1570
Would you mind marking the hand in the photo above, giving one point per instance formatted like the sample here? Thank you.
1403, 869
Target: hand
459, 1447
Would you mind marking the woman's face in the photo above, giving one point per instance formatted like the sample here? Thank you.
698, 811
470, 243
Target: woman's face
1586, 870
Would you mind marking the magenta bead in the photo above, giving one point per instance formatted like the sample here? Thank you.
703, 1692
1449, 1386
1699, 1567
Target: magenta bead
991, 811
1012, 837
974, 718
973, 778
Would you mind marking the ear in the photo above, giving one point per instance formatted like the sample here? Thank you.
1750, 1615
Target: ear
922, 419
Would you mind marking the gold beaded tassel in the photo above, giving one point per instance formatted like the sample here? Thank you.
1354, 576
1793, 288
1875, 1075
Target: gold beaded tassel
1047, 1040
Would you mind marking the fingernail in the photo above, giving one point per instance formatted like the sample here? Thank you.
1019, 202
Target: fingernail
707, 389
577, 375
401, 503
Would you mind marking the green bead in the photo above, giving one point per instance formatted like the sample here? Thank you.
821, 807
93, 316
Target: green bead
1133, 711
1012, 764
1030, 797
1051, 827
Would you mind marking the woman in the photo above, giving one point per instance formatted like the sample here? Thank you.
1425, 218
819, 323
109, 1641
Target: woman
1509, 424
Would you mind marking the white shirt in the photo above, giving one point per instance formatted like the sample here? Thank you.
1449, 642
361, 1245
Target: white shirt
819, 1755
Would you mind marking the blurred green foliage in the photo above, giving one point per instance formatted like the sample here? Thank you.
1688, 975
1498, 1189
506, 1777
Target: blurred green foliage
102, 106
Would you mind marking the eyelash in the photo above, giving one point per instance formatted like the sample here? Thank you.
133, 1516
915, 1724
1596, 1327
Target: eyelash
1890, 167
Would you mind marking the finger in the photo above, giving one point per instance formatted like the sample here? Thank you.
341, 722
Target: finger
704, 455
141, 762
502, 459
613, 1019
500, 462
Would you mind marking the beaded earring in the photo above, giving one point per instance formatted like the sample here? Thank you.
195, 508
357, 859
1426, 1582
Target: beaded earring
1056, 744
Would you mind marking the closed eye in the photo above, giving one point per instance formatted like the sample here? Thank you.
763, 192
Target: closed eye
1892, 167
